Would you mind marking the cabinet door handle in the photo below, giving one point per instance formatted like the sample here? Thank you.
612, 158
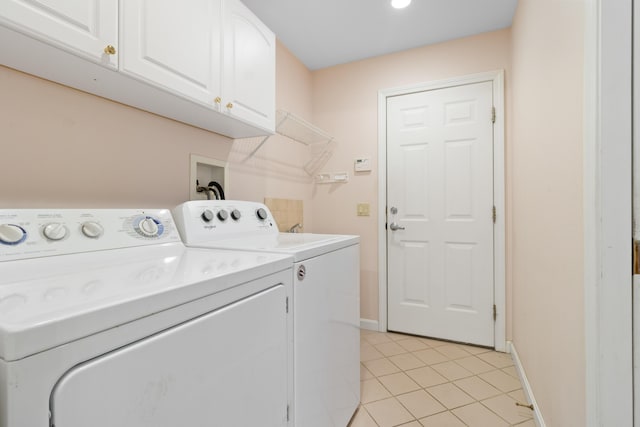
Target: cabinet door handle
229, 105
110, 50
218, 100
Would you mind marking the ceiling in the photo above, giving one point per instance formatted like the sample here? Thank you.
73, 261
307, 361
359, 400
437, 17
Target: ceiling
323, 33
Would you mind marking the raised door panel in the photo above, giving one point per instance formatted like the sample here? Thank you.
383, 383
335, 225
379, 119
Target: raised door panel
83, 27
174, 45
249, 71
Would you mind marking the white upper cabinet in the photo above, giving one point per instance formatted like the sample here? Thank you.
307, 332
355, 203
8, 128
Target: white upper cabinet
174, 44
183, 46
249, 66
208, 63
88, 28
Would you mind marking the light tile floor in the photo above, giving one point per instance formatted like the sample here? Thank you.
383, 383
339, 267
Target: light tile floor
414, 382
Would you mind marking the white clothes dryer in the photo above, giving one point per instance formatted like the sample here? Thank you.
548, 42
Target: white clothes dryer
326, 302
106, 319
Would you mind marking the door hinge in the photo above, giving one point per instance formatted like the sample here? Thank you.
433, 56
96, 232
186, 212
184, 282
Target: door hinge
287, 304
495, 313
494, 214
287, 412
636, 257
493, 114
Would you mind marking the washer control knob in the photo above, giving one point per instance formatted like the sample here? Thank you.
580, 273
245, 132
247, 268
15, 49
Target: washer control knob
207, 215
261, 214
55, 231
235, 214
11, 234
148, 227
223, 215
92, 229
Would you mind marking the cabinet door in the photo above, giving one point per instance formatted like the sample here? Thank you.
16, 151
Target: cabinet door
175, 45
249, 66
84, 27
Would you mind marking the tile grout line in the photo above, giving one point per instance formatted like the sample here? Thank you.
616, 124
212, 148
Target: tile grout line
500, 416
447, 409
494, 412
495, 365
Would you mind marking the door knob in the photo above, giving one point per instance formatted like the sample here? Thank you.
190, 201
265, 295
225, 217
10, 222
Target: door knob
394, 226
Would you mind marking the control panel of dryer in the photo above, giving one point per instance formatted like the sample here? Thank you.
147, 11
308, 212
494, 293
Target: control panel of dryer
206, 220
32, 233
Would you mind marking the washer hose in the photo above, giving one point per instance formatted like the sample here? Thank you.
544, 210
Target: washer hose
217, 187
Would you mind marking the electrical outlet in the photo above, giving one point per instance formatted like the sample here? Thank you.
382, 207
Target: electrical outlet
363, 209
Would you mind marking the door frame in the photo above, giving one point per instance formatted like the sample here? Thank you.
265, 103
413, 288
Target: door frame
607, 212
499, 235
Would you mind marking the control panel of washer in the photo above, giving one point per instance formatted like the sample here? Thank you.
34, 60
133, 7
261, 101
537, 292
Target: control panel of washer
205, 220
32, 233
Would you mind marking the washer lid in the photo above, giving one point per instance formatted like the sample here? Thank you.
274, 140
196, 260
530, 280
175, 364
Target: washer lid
299, 245
47, 302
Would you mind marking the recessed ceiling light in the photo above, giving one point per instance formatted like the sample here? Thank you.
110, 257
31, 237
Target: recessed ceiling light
400, 4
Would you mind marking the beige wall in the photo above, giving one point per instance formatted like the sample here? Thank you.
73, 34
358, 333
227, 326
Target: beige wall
65, 148
547, 251
345, 102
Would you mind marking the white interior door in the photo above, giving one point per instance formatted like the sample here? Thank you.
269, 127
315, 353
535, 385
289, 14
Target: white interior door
440, 213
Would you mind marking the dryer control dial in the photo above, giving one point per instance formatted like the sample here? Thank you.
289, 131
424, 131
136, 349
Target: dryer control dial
261, 214
55, 231
235, 214
92, 229
11, 234
148, 226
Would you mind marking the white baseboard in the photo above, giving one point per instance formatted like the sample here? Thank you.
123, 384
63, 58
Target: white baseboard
537, 416
371, 325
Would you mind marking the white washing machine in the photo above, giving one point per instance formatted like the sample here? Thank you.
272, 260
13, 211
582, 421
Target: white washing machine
106, 319
326, 300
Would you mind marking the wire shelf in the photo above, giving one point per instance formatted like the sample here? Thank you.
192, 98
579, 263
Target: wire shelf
299, 130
